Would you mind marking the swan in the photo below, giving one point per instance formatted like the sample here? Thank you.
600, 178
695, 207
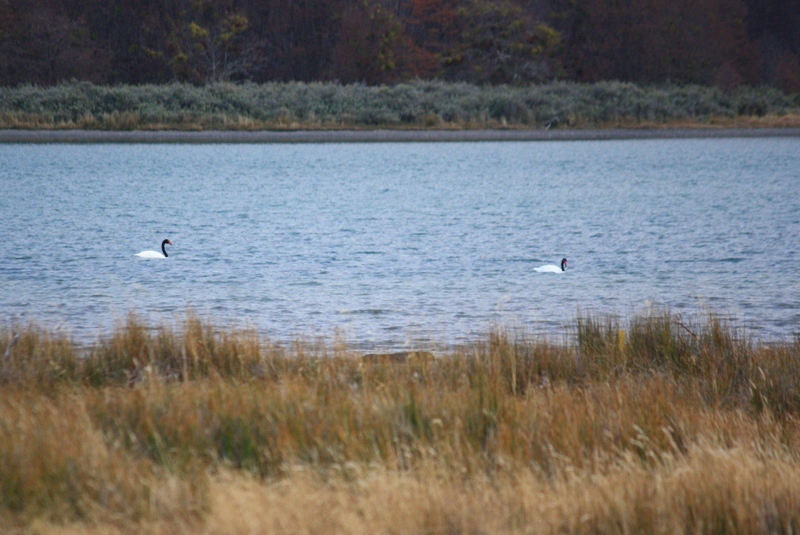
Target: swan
155, 254
550, 268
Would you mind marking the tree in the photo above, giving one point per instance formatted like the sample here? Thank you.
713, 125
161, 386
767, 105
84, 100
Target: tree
697, 41
133, 33
300, 37
774, 26
501, 44
721, 42
11, 38
434, 31
372, 47
42, 44
211, 46
787, 73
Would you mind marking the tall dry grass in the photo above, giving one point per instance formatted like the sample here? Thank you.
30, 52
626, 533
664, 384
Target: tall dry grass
708, 490
56, 464
649, 424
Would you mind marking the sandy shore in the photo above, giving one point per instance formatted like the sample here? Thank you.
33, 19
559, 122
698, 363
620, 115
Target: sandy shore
361, 136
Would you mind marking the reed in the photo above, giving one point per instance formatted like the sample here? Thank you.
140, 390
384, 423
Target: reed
652, 423
416, 104
709, 490
58, 465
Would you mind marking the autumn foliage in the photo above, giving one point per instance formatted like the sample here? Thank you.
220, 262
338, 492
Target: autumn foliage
725, 43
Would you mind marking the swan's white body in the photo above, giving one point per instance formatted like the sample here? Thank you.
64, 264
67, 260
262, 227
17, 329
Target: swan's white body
550, 268
155, 254
150, 254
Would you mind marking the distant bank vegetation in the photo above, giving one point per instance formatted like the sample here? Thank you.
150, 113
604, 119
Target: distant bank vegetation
419, 104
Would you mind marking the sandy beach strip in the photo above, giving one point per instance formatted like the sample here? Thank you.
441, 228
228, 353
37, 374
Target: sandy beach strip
377, 136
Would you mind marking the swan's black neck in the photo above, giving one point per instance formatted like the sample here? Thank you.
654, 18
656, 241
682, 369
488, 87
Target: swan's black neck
563, 264
164, 249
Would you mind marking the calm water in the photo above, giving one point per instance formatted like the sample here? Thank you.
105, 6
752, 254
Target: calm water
394, 244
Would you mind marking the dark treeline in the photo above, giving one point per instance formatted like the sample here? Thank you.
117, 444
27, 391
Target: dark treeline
725, 43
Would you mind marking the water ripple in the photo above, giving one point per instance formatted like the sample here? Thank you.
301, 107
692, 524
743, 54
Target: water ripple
306, 239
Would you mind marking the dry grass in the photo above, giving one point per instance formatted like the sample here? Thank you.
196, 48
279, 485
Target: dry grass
129, 122
709, 490
653, 425
788, 120
58, 465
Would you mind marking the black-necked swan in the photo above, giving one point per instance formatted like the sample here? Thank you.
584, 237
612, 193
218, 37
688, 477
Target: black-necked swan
155, 254
550, 268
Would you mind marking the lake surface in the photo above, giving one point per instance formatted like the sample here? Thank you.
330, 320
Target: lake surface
401, 244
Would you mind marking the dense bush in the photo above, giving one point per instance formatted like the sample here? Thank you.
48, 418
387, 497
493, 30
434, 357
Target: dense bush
418, 104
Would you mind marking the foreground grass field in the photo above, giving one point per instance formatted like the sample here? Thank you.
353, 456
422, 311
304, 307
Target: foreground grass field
648, 425
415, 105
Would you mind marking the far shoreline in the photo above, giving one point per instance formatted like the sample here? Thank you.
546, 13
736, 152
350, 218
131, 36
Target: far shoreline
8, 136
